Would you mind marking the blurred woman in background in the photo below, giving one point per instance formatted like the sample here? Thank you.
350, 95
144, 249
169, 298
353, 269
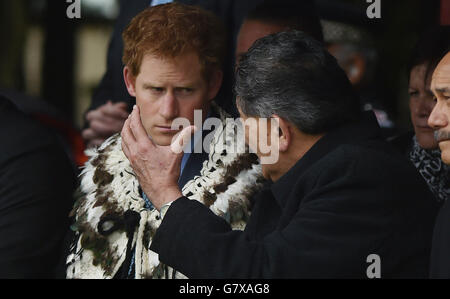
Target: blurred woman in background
420, 146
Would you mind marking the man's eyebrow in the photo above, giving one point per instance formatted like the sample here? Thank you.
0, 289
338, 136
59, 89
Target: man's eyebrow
147, 84
442, 90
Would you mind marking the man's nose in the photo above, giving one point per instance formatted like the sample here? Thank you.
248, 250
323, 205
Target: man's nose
169, 106
437, 118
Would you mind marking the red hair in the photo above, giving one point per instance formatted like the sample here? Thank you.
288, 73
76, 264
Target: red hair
172, 30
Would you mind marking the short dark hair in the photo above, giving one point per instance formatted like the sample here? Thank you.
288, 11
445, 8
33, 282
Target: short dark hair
294, 14
431, 47
292, 75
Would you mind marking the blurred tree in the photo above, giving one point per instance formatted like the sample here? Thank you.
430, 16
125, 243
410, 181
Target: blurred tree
13, 29
59, 57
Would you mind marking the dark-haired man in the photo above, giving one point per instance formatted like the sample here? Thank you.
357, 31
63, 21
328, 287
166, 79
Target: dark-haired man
341, 197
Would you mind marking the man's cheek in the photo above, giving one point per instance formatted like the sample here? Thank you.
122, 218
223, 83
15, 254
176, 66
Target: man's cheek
252, 141
147, 124
189, 115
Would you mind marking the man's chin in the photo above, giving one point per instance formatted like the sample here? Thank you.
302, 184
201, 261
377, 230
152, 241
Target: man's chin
163, 140
445, 151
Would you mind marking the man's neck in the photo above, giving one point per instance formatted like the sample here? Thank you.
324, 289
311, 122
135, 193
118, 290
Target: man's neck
299, 147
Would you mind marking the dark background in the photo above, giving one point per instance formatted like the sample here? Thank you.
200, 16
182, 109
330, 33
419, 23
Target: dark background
39, 30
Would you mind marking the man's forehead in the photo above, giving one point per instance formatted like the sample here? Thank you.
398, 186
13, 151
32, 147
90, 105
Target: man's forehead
441, 76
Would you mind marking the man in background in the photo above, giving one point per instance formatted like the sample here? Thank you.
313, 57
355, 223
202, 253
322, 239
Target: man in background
36, 185
440, 121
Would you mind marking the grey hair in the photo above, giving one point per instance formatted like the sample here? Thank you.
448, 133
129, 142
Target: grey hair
291, 74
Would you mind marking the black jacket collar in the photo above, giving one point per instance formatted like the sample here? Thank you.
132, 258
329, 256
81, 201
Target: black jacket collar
365, 129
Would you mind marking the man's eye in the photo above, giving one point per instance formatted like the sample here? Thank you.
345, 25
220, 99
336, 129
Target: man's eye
157, 89
186, 90
413, 93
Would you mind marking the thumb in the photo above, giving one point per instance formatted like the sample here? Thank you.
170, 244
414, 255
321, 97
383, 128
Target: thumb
182, 139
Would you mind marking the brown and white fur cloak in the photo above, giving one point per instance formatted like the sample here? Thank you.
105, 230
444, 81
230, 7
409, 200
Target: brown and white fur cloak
110, 217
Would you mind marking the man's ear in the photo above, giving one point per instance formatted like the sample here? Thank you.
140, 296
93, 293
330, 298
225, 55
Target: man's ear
215, 82
356, 68
285, 133
130, 81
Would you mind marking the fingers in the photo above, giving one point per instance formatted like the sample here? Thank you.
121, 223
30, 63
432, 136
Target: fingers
106, 128
89, 134
134, 137
105, 122
182, 139
137, 128
94, 114
125, 148
108, 111
126, 138
117, 111
127, 134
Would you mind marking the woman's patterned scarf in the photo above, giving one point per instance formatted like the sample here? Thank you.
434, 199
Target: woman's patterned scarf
434, 171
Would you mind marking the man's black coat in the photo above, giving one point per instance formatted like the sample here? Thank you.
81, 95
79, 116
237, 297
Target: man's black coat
440, 256
349, 197
36, 185
112, 86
